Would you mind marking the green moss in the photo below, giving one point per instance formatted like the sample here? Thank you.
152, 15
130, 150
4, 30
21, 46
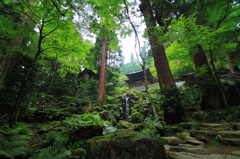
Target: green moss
136, 117
122, 124
139, 127
84, 120
132, 135
125, 143
182, 135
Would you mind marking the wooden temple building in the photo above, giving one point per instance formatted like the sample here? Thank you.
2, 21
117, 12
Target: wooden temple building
136, 80
87, 74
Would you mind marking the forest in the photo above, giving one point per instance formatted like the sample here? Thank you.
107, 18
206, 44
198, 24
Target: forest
64, 79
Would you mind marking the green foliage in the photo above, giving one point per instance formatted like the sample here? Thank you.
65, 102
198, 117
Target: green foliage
16, 88
88, 91
112, 82
57, 151
51, 48
52, 137
136, 117
218, 137
87, 119
172, 104
152, 127
130, 67
122, 124
14, 142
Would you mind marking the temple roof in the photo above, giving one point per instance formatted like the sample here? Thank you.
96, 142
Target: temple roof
139, 76
88, 72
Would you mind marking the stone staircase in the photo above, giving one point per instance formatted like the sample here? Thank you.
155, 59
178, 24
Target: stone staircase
227, 134
192, 145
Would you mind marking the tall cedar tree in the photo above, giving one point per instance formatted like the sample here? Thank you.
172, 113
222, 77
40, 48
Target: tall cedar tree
163, 70
103, 69
10, 63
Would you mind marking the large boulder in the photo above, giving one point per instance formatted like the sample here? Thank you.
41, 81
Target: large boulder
125, 144
136, 118
84, 126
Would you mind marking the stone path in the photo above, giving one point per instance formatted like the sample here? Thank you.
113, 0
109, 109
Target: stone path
192, 145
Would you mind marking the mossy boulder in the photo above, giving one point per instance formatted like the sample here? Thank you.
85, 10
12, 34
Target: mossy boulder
123, 124
105, 115
125, 144
140, 126
84, 126
136, 118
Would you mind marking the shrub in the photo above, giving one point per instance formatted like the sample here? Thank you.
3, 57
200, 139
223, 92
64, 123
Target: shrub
14, 141
172, 104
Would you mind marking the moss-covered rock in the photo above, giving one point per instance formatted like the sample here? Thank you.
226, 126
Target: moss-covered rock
136, 118
83, 126
123, 124
125, 144
139, 126
105, 115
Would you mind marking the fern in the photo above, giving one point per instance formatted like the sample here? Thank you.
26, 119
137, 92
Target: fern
14, 142
57, 151
52, 137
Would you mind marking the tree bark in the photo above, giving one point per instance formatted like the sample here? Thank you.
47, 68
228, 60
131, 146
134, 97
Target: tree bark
103, 70
221, 87
199, 58
163, 70
12, 57
20, 40
230, 58
148, 93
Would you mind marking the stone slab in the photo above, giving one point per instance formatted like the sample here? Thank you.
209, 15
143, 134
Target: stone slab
236, 153
172, 140
194, 142
185, 155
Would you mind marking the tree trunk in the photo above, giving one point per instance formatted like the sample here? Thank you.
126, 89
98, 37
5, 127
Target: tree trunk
5, 66
103, 70
230, 59
148, 93
215, 93
10, 60
13, 117
221, 87
199, 58
163, 70
21, 39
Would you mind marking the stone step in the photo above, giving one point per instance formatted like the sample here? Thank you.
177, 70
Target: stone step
172, 140
211, 135
200, 150
194, 142
236, 126
211, 126
233, 142
236, 153
218, 156
215, 126
189, 125
185, 155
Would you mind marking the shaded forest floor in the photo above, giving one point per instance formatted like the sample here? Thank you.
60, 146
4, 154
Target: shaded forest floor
66, 137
